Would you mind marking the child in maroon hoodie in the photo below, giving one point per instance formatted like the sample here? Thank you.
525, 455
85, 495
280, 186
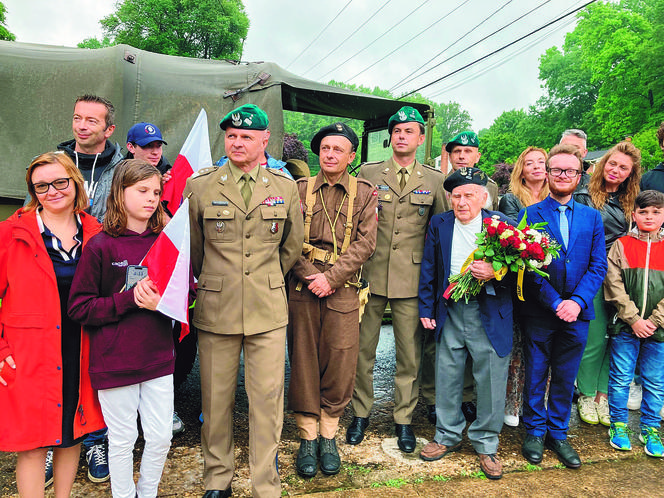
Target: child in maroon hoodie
131, 345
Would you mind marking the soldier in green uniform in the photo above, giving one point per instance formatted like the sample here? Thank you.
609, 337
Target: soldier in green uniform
409, 193
323, 326
246, 233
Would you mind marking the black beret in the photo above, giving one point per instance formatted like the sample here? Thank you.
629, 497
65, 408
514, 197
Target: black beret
465, 176
340, 129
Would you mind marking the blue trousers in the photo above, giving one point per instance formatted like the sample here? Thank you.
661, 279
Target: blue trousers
551, 343
627, 351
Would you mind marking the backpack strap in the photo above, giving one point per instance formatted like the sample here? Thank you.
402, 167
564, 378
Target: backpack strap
352, 193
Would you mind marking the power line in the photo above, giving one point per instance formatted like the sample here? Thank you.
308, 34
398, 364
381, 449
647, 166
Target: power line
348, 37
412, 76
497, 50
319, 34
409, 40
374, 41
499, 63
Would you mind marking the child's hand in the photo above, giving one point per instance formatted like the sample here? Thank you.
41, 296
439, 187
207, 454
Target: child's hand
9, 362
146, 294
643, 328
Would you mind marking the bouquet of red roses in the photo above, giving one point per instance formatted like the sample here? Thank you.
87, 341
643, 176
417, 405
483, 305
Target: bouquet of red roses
507, 248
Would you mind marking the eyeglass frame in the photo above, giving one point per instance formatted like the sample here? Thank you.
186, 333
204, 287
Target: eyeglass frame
48, 185
564, 172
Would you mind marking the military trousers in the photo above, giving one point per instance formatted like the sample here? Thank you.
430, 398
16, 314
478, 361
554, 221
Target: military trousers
323, 342
264, 365
408, 334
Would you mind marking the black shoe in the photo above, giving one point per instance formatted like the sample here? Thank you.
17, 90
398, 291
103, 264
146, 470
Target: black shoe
330, 463
355, 432
469, 411
307, 458
431, 414
405, 438
533, 449
565, 453
218, 493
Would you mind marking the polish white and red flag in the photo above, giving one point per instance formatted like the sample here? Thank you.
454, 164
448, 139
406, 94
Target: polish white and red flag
194, 155
168, 265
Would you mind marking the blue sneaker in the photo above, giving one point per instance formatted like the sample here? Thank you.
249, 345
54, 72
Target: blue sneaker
49, 468
618, 437
653, 444
97, 460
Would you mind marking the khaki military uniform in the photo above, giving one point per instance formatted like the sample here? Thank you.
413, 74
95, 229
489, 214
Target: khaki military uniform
323, 333
239, 255
393, 273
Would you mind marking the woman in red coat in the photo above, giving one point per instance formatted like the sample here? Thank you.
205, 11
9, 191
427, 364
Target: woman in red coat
45, 391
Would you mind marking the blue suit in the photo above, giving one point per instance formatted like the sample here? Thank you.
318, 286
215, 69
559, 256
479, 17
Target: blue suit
549, 341
482, 329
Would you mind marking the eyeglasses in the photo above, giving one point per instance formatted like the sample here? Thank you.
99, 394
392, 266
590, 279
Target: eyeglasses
569, 173
59, 184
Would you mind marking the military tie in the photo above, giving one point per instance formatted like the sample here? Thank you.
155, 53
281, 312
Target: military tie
564, 225
402, 183
245, 190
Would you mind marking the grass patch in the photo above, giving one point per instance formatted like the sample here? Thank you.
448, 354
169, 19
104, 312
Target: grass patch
441, 478
354, 469
529, 467
390, 483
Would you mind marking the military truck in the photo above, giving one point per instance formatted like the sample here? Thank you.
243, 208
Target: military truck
39, 83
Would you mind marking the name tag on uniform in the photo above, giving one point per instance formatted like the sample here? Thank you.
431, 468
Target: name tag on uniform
422, 192
220, 203
382, 187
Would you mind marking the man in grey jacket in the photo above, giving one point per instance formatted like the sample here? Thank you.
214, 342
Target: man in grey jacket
92, 152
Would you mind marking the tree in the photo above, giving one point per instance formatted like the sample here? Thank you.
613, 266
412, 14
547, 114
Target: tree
207, 29
5, 34
94, 43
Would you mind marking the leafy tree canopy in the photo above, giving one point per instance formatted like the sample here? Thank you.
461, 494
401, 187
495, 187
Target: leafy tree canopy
5, 34
207, 29
606, 80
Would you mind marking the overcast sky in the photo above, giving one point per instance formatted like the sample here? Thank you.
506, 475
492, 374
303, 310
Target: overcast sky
318, 39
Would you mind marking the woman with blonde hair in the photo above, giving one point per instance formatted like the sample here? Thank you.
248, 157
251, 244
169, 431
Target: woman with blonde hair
528, 183
612, 189
45, 391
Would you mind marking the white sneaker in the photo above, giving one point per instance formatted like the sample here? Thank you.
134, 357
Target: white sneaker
635, 396
511, 420
603, 412
587, 410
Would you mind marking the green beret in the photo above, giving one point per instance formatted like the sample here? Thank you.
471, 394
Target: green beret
465, 138
465, 176
340, 129
246, 117
406, 114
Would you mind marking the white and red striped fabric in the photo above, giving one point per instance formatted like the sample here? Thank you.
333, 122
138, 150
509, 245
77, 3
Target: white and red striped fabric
168, 265
194, 155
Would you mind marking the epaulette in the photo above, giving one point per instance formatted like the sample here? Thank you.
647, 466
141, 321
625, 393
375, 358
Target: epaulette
204, 171
278, 172
371, 162
433, 169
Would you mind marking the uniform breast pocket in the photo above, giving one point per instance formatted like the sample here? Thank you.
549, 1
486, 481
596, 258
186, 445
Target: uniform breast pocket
219, 224
422, 204
385, 199
274, 218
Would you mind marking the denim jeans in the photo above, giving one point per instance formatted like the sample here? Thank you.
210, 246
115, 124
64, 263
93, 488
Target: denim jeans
626, 351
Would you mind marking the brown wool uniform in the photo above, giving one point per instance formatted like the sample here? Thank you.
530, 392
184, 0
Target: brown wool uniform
323, 332
239, 255
393, 273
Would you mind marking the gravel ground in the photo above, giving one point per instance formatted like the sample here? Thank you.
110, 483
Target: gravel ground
377, 468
